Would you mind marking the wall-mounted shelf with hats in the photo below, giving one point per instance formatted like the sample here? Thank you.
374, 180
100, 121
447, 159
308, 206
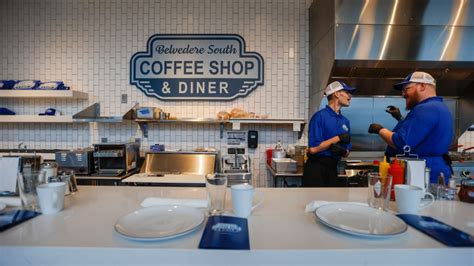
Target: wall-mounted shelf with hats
88, 115
43, 94
40, 94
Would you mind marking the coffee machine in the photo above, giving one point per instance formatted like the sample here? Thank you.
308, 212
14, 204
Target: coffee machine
236, 165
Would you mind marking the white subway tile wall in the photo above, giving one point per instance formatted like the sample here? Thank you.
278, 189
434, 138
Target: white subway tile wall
88, 45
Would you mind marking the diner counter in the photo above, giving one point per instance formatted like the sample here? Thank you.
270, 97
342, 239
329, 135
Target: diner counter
281, 233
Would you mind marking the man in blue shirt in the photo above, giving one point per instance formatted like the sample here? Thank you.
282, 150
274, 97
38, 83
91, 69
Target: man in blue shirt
428, 127
329, 138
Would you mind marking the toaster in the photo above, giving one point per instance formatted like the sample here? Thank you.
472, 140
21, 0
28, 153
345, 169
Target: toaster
81, 161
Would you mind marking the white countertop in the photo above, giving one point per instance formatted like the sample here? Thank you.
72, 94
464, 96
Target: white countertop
280, 233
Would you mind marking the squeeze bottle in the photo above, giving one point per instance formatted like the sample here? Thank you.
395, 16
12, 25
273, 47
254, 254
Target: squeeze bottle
375, 166
397, 176
383, 167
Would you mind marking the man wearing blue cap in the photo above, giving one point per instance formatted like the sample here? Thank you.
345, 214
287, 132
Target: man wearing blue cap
329, 138
428, 127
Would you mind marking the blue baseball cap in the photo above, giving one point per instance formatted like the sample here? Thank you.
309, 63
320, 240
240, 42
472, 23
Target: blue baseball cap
6, 111
416, 77
337, 86
49, 111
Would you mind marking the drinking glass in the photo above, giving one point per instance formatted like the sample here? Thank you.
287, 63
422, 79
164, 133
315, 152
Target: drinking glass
379, 190
216, 187
28, 181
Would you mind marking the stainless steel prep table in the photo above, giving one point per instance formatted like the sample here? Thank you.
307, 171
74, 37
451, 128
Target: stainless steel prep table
282, 176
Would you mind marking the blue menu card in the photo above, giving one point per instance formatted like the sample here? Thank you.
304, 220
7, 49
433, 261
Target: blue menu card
225, 232
14, 217
438, 230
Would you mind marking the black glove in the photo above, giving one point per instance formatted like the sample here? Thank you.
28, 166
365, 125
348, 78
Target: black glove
375, 128
344, 138
337, 149
395, 112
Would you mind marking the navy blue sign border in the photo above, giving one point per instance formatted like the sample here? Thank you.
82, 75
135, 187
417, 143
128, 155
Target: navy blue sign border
242, 54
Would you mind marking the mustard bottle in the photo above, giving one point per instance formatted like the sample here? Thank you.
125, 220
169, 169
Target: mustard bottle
383, 167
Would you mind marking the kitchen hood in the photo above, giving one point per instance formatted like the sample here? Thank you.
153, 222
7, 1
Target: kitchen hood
373, 44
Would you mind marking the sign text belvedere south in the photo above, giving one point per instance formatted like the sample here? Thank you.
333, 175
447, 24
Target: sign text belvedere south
196, 67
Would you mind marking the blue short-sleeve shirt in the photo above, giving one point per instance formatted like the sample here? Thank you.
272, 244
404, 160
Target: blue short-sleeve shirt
324, 125
428, 130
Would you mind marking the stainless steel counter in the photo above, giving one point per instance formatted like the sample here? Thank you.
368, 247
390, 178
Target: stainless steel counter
282, 177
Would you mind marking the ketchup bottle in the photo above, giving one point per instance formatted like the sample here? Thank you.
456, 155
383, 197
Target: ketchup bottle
396, 171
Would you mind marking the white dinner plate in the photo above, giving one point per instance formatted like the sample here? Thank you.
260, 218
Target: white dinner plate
360, 220
159, 222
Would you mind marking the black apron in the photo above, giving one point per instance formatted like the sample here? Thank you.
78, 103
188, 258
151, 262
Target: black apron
320, 172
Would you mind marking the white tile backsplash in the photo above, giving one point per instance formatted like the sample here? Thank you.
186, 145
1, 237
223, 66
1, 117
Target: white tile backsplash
88, 44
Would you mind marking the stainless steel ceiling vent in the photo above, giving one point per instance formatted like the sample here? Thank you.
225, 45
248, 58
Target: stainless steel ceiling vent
372, 44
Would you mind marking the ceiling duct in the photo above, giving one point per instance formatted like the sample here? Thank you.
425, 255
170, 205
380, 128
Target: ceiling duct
373, 44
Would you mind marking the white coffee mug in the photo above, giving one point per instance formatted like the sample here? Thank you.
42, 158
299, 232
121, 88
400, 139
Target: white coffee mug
409, 198
242, 199
51, 197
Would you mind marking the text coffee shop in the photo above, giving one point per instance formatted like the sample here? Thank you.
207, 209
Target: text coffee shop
247, 132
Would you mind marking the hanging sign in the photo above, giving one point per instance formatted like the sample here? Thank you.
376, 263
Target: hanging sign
196, 67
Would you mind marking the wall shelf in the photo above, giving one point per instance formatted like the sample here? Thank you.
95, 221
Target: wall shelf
182, 120
92, 114
40, 94
297, 123
57, 94
35, 119
143, 123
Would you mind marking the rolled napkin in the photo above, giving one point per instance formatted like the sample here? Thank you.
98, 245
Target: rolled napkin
196, 203
11, 201
313, 205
